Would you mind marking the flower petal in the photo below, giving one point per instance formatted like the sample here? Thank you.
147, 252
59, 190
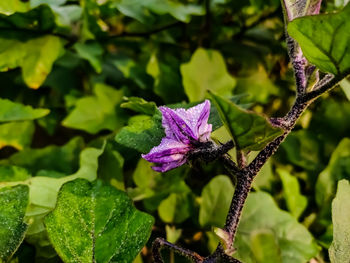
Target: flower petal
168, 166
169, 150
197, 119
176, 127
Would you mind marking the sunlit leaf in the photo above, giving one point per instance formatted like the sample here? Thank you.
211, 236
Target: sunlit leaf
16, 134
296, 202
98, 112
35, 57
11, 6
96, 215
12, 111
206, 71
176, 208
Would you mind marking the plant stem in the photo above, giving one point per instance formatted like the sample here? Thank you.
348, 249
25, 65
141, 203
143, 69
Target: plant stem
161, 243
246, 174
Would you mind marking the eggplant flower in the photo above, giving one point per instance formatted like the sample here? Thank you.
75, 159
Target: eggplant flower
185, 130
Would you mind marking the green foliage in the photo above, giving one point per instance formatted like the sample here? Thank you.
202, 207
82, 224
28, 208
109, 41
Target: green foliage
11, 111
249, 131
81, 83
176, 208
265, 247
63, 159
261, 218
215, 201
302, 149
339, 250
206, 71
13, 204
35, 57
16, 134
96, 113
338, 168
95, 215
142, 10
139, 105
296, 202
324, 40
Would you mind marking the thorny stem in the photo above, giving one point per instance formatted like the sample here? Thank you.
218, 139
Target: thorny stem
160, 243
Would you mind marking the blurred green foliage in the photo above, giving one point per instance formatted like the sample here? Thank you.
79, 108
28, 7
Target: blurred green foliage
80, 83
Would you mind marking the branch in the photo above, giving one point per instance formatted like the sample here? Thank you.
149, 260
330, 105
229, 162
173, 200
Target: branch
326, 84
246, 175
161, 243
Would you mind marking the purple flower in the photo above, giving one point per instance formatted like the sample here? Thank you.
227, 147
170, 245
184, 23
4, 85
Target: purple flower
184, 130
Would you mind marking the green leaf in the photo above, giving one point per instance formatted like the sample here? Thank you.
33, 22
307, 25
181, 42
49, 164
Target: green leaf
302, 149
141, 10
142, 133
65, 14
64, 159
296, 202
258, 85
172, 234
35, 57
324, 40
341, 3
206, 71
98, 112
293, 241
92, 215
13, 173
13, 204
265, 247
339, 250
338, 168
153, 187
345, 85
16, 134
22, 25
92, 52
12, 111
167, 78
265, 178
215, 201
12, 6
249, 130
43, 191
139, 105
176, 208
110, 167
